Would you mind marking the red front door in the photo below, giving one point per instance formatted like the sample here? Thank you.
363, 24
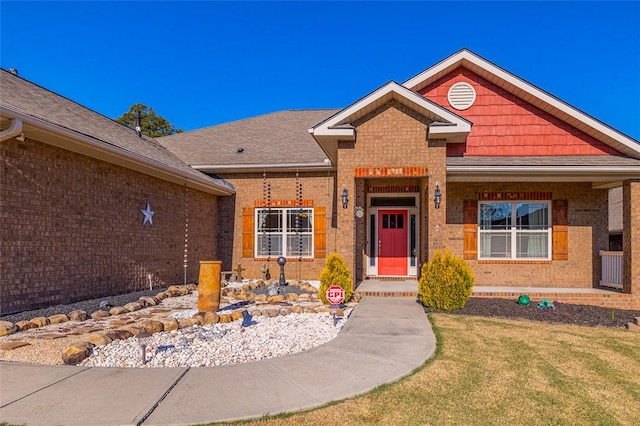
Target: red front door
392, 242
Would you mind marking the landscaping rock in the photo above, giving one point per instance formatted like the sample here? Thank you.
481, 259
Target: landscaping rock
148, 301
7, 328
271, 312
285, 311
118, 310
119, 334
133, 306
78, 315
211, 318
296, 309
40, 321
100, 314
276, 298
9, 346
25, 325
188, 322
225, 318
99, 339
236, 315
75, 353
169, 323
58, 319
152, 326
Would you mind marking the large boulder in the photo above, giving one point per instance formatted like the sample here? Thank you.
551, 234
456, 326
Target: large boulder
40, 321
77, 315
133, 306
58, 319
119, 334
211, 318
148, 301
7, 328
224, 318
169, 323
99, 314
99, 339
152, 326
25, 325
188, 322
76, 352
118, 310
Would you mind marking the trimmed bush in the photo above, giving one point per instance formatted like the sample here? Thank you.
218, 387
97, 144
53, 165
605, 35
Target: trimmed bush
335, 272
446, 282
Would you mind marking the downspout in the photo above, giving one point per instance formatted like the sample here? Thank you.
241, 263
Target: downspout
14, 130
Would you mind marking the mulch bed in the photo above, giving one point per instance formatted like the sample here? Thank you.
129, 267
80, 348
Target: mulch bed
564, 313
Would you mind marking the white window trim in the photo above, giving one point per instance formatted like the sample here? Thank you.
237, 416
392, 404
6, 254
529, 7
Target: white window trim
514, 231
284, 233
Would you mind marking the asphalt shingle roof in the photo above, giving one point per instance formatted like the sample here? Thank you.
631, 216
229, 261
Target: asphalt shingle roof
24, 97
275, 138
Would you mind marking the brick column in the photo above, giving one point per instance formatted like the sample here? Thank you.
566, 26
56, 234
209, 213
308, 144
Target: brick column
631, 237
437, 218
345, 237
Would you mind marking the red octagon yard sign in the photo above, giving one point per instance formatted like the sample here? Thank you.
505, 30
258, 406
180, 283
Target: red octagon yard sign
335, 294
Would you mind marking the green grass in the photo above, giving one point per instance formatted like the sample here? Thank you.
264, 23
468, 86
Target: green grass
490, 371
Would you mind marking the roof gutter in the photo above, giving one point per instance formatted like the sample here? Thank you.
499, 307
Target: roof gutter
267, 166
14, 130
203, 184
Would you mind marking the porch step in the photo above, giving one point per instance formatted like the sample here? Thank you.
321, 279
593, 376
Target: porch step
396, 287
413, 294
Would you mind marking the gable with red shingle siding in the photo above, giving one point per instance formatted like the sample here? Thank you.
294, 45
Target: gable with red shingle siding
505, 125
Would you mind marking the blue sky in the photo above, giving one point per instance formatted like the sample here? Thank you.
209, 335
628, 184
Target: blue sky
203, 63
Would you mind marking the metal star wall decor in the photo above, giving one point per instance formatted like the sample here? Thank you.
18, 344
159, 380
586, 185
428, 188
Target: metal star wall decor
148, 215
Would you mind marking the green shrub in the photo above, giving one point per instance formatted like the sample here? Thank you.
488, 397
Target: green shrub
335, 272
446, 282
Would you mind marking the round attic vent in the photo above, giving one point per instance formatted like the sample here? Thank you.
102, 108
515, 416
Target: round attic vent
461, 96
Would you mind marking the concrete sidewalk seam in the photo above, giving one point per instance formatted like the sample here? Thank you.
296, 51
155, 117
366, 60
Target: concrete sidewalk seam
277, 370
146, 416
45, 387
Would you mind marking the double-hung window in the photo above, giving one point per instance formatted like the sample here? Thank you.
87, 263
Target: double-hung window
284, 232
515, 230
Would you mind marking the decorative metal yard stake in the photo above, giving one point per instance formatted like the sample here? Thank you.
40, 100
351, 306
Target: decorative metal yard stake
298, 222
186, 230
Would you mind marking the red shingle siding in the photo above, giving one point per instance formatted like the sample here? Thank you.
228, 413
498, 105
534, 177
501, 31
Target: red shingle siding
71, 228
505, 125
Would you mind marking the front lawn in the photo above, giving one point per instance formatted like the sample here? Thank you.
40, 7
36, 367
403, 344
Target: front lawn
490, 371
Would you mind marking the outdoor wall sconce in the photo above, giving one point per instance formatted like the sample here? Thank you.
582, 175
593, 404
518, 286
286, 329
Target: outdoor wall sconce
345, 198
438, 196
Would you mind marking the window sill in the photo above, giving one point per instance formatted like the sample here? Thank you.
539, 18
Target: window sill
289, 259
513, 262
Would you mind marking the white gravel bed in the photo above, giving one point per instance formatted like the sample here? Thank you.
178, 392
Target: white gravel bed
222, 344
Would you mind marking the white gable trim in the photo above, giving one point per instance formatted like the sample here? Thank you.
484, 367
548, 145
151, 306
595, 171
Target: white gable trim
338, 125
531, 94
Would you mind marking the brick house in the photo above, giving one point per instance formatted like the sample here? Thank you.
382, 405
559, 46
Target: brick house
521, 181
74, 190
521, 177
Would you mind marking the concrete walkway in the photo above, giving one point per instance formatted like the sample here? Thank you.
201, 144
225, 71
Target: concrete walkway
383, 340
